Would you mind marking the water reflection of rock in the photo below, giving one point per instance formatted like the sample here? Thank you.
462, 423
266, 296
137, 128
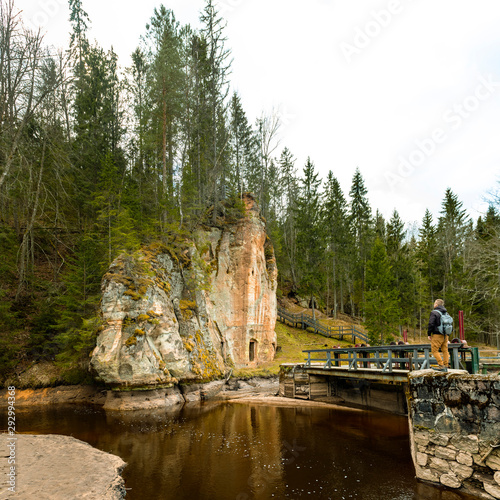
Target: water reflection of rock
193, 441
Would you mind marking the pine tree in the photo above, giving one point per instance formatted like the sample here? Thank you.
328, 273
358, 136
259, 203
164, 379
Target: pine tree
165, 86
217, 91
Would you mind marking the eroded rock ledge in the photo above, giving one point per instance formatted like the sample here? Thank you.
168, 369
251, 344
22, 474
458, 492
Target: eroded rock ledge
171, 398
60, 468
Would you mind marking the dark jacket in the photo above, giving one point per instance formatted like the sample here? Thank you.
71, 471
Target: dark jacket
435, 320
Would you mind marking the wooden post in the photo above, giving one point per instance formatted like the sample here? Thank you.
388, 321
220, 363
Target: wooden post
461, 325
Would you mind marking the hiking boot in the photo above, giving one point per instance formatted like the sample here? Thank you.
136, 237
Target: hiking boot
441, 369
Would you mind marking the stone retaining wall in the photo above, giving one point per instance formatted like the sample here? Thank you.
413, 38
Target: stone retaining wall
454, 425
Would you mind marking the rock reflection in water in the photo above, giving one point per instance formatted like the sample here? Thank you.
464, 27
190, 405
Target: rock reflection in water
246, 452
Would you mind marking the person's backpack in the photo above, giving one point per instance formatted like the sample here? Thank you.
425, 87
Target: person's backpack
446, 326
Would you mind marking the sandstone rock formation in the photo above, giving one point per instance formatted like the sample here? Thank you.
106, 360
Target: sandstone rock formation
192, 309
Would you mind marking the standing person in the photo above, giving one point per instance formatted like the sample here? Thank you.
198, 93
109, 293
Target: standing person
439, 339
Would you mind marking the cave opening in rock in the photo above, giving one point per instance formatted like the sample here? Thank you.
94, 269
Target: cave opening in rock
252, 351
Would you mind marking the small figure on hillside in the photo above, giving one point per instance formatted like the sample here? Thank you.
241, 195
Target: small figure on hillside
439, 329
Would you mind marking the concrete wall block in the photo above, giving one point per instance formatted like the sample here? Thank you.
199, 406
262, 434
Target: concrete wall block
421, 437
440, 465
422, 459
465, 459
492, 488
493, 461
439, 439
423, 406
453, 397
495, 398
490, 431
478, 397
496, 477
426, 474
450, 480
461, 471
446, 423
423, 419
423, 392
467, 413
492, 413
469, 444
445, 453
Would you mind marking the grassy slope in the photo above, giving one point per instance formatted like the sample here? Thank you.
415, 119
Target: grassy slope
292, 342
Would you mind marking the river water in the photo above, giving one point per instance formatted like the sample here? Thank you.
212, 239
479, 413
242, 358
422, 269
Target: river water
248, 452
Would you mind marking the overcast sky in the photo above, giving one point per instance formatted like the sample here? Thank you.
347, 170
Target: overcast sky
406, 90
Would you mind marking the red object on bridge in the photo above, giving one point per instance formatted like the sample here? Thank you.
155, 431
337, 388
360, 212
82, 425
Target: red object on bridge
461, 325
405, 335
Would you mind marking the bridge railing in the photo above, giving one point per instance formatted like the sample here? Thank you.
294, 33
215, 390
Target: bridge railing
389, 358
301, 320
489, 360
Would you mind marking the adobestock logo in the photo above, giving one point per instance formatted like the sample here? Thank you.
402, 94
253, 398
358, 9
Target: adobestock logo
453, 118
47, 10
365, 34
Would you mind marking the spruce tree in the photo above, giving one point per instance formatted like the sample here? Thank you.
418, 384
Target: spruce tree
310, 240
453, 228
335, 221
287, 214
381, 302
361, 225
243, 146
403, 268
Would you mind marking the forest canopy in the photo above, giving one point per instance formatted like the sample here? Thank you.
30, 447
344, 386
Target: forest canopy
96, 161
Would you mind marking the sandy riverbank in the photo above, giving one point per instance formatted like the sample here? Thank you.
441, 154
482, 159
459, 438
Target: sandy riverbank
59, 468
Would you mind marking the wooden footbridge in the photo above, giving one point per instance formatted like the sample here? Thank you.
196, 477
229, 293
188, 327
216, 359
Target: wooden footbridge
390, 358
372, 377
305, 321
